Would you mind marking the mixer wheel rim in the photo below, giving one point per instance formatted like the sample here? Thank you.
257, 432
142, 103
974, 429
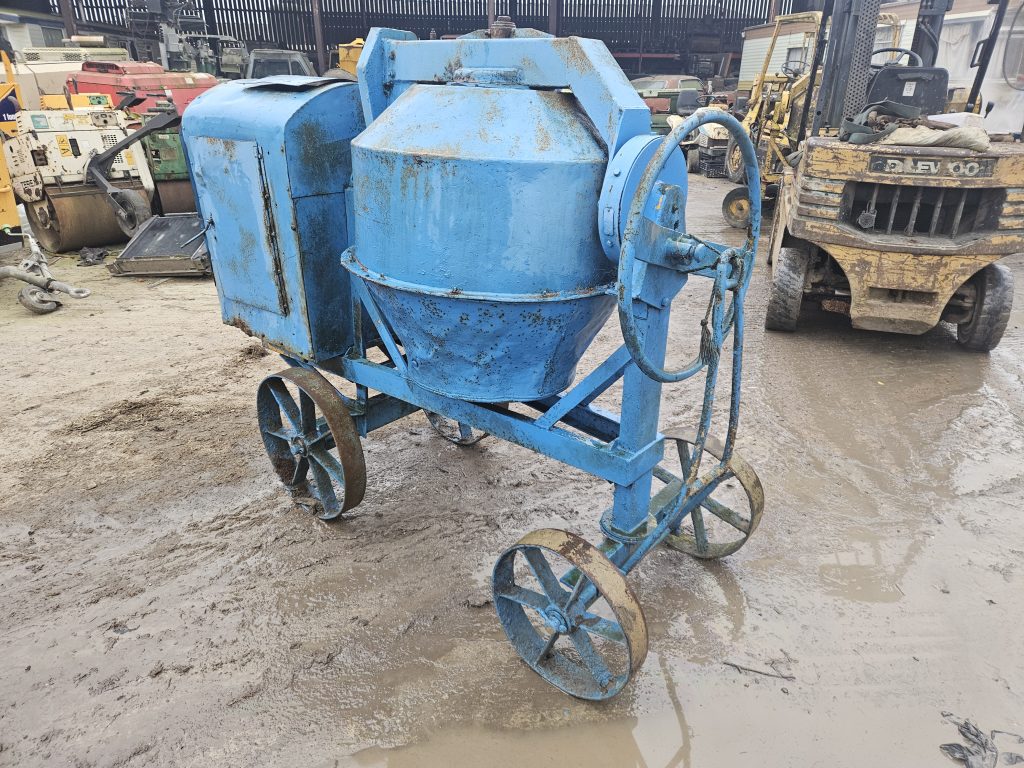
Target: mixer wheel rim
700, 545
301, 443
578, 667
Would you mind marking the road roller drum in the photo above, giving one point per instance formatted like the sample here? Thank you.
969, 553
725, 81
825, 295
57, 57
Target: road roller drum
49, 161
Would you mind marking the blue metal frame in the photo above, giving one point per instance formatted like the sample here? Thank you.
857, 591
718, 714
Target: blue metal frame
457, 340
624, 449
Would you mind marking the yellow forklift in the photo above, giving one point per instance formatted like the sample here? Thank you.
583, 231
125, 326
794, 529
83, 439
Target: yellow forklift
773, 116
899, 236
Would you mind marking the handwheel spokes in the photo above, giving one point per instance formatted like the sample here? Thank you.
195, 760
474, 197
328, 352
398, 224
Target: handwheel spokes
301, 469
592, 660
327, 471
685, 460
524, 597
609, 630
700, 533
325, 491
307, 415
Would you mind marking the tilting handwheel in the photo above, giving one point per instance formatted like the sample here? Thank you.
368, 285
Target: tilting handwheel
542, 587
309, 435
454, 431
724, 521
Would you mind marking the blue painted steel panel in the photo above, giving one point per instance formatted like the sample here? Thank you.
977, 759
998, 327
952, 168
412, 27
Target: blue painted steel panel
271, 162
474, 212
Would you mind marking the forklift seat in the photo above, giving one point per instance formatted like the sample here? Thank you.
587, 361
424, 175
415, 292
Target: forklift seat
923, 87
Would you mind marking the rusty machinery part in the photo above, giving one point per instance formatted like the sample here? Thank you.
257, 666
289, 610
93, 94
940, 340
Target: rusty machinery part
300, 434
132, 210
992, 289
786, 291
714, 528
736, 208
734, 167
454, 431
583, 629
37, 300
69, 222
176, 196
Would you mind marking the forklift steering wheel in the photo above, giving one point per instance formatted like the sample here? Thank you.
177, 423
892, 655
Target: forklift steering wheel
913, 56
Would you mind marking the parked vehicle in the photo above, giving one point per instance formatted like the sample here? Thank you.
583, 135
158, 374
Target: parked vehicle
667, 95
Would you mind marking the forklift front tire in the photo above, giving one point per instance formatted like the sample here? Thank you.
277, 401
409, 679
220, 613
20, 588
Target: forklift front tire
692, 160
786, 292
992, 305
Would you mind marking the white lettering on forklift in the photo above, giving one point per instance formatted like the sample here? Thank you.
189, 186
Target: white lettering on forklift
909, 87
965, 168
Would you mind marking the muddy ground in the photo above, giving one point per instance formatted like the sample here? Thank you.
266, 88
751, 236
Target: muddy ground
164, 602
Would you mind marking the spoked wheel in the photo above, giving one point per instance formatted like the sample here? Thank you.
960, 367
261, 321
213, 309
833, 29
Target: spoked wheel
724, 522
454, 431
588, 651
309, 435
736, 208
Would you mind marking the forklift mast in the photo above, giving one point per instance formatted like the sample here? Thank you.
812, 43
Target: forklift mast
847, 70
929, 28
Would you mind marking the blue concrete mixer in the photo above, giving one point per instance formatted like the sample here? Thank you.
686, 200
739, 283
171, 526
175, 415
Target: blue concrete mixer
450, 234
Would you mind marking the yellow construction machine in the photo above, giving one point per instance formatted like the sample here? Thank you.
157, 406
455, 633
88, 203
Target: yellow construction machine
775, 110
344, 59
10, 105
899, 230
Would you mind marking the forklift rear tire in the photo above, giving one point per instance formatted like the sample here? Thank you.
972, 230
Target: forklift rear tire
692, 160
734, 167
984, 331
786, 293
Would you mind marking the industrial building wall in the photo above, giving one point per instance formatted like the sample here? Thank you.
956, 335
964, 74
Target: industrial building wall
649, 26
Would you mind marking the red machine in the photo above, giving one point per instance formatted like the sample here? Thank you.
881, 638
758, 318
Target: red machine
145, 79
